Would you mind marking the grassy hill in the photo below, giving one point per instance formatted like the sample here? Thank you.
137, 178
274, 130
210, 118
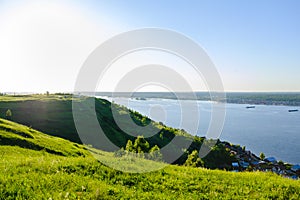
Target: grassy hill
13, 134
34, 165
53, 115
49, 114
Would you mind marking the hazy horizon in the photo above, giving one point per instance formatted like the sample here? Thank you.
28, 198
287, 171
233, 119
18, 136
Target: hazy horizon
70, 92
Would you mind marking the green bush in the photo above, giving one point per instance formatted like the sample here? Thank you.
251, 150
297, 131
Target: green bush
121, 152
8, 114
155, 154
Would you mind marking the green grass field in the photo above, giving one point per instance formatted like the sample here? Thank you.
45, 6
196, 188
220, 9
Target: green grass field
33, 169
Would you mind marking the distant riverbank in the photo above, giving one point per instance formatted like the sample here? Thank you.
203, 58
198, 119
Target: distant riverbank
255, 98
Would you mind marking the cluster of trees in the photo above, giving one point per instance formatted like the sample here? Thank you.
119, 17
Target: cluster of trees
141, 148
219, 156
194, 160
139, 119
292, 99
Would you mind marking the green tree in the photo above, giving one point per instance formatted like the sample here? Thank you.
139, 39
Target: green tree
129, 146
219, 157
194, 160
281, 163
262, 156
155, 154
8, 114
141, 145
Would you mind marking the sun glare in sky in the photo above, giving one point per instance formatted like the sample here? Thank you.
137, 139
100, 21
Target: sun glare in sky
43, 44
255, 46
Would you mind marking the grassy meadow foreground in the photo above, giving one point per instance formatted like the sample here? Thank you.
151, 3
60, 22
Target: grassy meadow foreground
38, 165
30, 173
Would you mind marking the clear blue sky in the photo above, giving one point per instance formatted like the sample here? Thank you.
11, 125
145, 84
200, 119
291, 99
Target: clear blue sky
255, 45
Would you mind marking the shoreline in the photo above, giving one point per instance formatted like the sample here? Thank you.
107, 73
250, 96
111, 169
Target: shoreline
287, 104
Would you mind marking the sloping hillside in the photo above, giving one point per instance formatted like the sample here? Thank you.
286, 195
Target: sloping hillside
34, 165
53, 115
13, 134
31, 174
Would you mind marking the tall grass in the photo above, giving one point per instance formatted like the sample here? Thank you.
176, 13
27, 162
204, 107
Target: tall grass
30, 174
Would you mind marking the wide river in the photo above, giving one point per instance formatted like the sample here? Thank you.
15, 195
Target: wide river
265, 128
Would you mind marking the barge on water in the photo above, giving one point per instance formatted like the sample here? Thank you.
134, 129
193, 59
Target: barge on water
294, 110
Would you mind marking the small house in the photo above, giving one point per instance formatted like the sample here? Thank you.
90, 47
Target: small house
294, 177
244, 164
295, 168
235, 165
255, 163
233, 152
271, 160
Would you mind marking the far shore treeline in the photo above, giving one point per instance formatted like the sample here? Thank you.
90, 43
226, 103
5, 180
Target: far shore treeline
264, 98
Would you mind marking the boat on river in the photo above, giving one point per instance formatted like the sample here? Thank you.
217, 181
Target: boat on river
293, 110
